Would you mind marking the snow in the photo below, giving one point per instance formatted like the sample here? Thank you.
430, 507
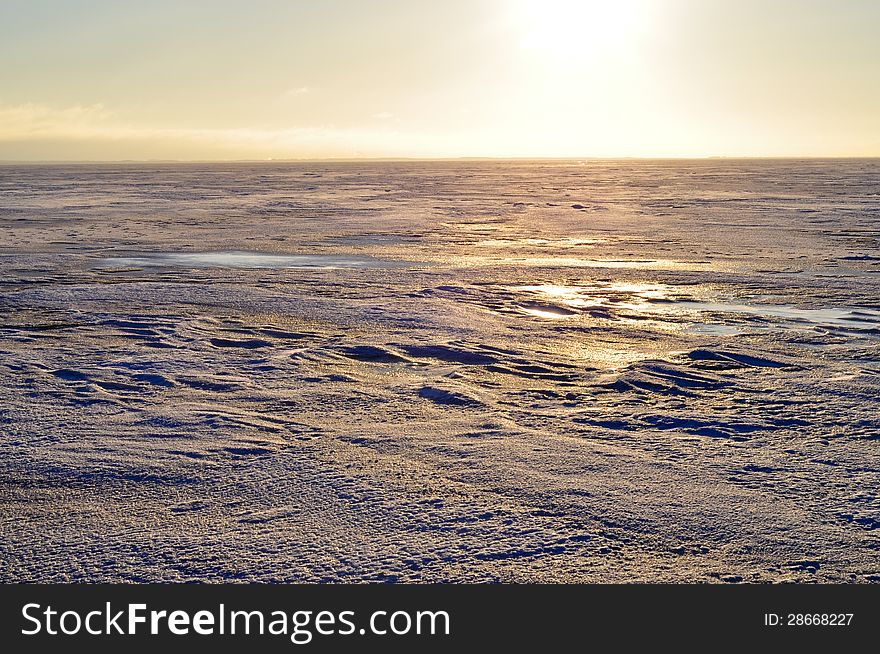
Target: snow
441, 371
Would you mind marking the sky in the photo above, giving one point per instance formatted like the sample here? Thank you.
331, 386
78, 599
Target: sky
297, 79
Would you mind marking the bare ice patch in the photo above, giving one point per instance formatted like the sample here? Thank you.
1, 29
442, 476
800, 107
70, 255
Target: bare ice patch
848, 319
246, 260
664, 303
580, 262
548, 311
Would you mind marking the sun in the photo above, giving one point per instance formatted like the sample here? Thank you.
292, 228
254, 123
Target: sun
573, 28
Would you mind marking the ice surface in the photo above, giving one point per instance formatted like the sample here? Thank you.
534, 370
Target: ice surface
857, 319
448, 371
663, 302
241, 260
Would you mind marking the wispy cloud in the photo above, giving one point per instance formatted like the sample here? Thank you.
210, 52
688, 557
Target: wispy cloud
36, 121
297, 91
95, 124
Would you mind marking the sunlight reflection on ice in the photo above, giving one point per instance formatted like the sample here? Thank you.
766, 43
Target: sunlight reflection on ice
663, 303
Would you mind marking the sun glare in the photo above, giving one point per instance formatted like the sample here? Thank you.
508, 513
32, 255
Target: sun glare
578, 27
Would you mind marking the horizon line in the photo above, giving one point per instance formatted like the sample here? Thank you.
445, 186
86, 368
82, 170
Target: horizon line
18, 162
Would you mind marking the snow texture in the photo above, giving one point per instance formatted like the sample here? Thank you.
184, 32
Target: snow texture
449, 371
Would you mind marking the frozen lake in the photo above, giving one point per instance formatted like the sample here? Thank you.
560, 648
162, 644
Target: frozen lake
441, 371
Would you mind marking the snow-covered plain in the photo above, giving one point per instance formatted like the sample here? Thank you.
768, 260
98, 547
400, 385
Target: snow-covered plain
448, 371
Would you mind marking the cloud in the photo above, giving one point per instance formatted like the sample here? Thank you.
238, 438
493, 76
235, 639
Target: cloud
296, 91
30, 121
94, 126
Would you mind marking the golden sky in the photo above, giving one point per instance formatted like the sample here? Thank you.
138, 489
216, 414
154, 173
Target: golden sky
258, 79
